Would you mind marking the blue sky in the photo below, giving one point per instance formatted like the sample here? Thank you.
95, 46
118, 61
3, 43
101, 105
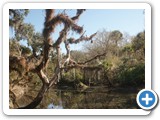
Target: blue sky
124, 20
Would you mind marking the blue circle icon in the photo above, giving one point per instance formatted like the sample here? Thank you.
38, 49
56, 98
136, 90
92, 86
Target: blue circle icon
147, 99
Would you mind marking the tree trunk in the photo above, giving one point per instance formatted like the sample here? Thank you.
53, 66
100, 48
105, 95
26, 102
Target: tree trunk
38, 99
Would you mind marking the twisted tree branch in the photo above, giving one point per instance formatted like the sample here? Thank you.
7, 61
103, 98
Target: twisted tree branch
82, 38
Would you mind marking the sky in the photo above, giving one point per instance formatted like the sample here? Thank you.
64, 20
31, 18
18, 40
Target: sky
129, 21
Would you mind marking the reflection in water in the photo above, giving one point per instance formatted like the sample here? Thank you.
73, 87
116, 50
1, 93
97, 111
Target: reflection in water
52, 106
91, 98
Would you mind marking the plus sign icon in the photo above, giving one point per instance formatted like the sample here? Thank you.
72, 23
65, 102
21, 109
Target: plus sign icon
147, 99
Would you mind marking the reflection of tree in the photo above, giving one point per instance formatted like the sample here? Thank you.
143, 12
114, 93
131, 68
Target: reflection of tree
87, 99
72, 99
100, 98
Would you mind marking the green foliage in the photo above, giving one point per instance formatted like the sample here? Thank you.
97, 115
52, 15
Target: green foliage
132, 70
24, 32
17, 50
68, 76
16, 16
116, 36
107, 65
138, 42
37, 41
14, 47
25, 50
131, 76
79, 75
127, 48
73, 75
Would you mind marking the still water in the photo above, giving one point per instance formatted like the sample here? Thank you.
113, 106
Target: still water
99, 97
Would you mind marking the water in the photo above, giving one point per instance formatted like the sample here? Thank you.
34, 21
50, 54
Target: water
99, 97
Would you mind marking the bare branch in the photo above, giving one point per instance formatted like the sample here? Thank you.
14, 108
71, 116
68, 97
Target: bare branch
79, 12
43, 77
58, 62
68, 52
82, 38
69, 67
62, 36
95, 57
